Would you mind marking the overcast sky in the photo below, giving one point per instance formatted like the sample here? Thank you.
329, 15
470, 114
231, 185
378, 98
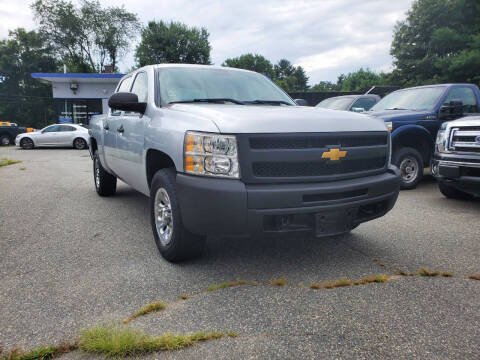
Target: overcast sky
326, 37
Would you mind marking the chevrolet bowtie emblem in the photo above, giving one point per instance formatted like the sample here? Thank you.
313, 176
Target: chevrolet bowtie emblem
334, 154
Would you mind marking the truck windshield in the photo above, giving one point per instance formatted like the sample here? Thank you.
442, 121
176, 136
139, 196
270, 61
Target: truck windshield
336, 103
410, 99
181, 84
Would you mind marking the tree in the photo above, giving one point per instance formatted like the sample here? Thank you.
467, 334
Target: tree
360, 80
324, 86
289, 77
25, 100
252, 62
88, 37
173, 43
438, 42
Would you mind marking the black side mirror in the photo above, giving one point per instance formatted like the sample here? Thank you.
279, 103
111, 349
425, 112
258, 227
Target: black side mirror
301, 102
127, 102
452, 110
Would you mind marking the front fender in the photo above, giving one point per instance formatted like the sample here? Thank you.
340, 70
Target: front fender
414, 136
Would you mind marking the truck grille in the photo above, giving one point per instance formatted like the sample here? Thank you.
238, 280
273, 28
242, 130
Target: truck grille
273, 158
464, 139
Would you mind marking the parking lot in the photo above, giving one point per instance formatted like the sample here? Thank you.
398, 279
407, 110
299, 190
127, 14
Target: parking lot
71, 260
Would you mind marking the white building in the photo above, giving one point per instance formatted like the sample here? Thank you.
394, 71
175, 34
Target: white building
78, 96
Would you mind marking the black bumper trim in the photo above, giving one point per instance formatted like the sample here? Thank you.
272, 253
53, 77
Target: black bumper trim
211, 206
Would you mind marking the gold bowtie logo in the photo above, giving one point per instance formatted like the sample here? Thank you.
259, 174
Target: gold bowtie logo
334, 154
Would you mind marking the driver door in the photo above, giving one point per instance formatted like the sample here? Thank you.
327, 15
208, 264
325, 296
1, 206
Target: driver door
48, 136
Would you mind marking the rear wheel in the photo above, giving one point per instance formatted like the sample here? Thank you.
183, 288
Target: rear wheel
26, 143
79, 144
410, 163
105, 183
4, 140
173, 240
453, 193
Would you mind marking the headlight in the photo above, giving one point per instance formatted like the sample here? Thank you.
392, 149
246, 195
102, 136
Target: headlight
440, 142
389, 125
211, 155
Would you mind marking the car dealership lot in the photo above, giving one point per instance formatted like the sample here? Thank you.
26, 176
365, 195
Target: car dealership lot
70, 260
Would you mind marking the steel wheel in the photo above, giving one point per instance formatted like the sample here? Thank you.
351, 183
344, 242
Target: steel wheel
409, 169
163, 216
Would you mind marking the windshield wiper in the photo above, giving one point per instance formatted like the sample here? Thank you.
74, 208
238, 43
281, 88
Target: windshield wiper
395, 108
277, 102
209, 100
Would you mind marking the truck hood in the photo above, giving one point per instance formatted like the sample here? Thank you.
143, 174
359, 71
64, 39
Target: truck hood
391, 115
279, 119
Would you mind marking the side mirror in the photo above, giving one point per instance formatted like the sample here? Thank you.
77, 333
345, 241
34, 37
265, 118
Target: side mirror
358, 109
301, 102
452, 110
127, 102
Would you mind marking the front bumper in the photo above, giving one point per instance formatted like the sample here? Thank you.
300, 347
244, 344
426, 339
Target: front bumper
459, 171
211, 206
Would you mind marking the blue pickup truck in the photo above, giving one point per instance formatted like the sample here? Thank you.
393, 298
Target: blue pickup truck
414, 116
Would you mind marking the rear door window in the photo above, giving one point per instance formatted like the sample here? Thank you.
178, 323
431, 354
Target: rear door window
365, 103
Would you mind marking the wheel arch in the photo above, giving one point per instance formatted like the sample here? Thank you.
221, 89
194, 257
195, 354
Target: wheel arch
416, 137
156, 160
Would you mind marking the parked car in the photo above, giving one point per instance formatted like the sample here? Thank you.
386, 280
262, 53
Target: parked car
8, 132
60, 135
414, 116
217, 152
456, 163
357, 103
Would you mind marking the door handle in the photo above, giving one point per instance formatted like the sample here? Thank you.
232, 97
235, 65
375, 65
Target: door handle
120, 129
105, 126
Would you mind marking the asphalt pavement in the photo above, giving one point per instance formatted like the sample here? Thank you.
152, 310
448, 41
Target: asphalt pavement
70, 259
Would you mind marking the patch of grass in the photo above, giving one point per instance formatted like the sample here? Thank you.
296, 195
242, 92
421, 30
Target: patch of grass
6, 162
426, 272
184, 296
147, 309
22, 168
382, 264
447, 274
117, 341
380, 278
474, 276
279, 282
224, 285
41, 353
232, 334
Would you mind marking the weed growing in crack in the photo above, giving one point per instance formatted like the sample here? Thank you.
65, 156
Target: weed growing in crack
147, 309
279, 282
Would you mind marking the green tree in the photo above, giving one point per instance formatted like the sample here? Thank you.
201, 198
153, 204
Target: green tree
439, 41
25, 100
289, 77
173, 43
359, 80
251, 62
87, 37
324, 86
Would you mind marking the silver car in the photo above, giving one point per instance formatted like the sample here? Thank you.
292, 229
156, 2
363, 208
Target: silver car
356, 103
58, 135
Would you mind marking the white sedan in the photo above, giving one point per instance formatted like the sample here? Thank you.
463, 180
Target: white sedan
63, 135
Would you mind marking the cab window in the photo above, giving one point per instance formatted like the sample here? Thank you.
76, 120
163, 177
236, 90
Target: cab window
140, 87
466, 96
124, 87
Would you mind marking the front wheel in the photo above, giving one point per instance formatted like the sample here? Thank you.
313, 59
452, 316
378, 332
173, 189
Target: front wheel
26, 143
410, 163
173, 240
105, 183
453, 193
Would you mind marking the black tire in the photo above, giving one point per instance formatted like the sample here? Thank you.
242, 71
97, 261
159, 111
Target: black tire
27, 143
453, 193
105, 183
5, 140
410, 163
180, 244
79, 144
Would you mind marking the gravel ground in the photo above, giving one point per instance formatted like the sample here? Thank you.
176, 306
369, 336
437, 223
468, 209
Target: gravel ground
70, 259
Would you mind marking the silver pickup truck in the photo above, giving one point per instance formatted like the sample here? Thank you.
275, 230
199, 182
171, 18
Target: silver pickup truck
224, 151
